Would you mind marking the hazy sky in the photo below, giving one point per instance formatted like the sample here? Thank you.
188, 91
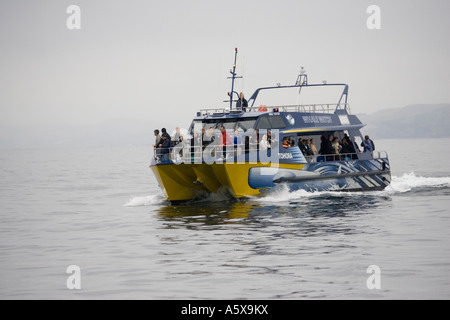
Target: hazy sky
160, 61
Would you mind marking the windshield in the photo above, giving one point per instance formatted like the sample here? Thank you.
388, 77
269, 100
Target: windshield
229, 124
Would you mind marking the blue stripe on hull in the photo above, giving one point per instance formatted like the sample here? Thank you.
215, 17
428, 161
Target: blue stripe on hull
353, 175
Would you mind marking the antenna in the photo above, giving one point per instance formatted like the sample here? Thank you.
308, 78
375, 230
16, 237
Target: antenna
302, 80
233, 77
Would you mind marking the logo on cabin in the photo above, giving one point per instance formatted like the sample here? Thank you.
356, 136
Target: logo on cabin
291, 119
285, 156
317, 119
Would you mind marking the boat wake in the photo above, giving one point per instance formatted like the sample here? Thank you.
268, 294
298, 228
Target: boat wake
145, 201
404, 184
407, 183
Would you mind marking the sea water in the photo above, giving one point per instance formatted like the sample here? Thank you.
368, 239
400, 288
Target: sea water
101, 210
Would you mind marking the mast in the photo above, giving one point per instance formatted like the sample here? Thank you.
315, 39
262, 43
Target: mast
233, 77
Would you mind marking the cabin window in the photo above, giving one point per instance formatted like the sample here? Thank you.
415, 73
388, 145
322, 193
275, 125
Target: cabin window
246, 124
229, 123
277, 122
271, 122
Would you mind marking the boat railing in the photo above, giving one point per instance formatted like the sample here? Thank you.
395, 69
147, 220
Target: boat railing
331, 157
195, 154
216, 153
380, 155
305, 108
213, 111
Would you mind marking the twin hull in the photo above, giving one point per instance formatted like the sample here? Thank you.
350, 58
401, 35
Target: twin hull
187, 181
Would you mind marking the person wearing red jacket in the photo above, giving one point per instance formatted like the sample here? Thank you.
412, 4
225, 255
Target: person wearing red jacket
224, 140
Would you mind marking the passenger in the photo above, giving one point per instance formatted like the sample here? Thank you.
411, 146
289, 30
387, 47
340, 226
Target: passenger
156, 145
346, 149
202, 138
349, 145
196, 138
241, 103
247, 144
351, 148
346, 137
301, 146
323, 143
165, 146
224, 140
307, 147
237, 142
164, 132
326, 146
266, 142
313, 147
271, 139
254, 141
177, 137
292, 142
209, 136
345, 146
157, 138
336, 146
286, 144
263, 144
371, 141
367, 143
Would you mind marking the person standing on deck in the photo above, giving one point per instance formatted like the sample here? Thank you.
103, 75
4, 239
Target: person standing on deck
241, 103
368, 145
224, 139
156, 145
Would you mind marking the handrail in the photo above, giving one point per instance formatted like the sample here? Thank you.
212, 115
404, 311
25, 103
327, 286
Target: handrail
331, 157
212, 111
306, 108
380, 154
344, 156
193, 152
190, 154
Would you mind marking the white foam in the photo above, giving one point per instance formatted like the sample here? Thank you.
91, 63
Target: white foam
281, 195
145, 201
406, 183
410, 182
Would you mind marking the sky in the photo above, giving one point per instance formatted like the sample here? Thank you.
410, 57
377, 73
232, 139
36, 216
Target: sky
159, 62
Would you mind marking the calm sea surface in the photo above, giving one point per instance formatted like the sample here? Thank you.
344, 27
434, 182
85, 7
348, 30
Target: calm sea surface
102, 210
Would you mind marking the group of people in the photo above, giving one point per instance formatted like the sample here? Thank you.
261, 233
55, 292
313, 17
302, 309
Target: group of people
347, 147
330, 146
307, 147
239, 141
163, 143
246, 143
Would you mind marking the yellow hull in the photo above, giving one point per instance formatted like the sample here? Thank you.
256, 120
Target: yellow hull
181, 182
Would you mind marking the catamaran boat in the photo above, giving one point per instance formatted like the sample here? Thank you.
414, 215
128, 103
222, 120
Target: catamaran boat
247, 150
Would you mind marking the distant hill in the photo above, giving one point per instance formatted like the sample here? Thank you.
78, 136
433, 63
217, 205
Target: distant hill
414, 121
